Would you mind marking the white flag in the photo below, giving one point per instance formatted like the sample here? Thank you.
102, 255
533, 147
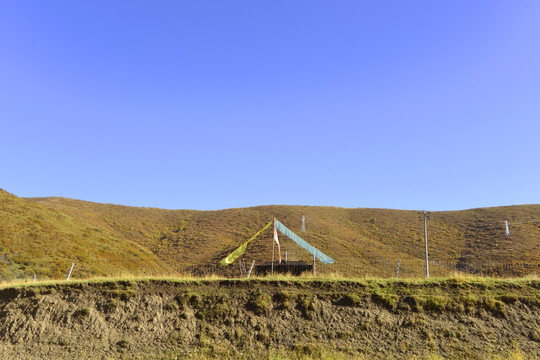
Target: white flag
277, 241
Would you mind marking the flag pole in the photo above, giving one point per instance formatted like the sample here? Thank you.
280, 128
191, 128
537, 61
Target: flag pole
273, 246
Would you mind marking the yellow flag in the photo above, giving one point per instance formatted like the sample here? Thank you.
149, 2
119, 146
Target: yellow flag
240, 250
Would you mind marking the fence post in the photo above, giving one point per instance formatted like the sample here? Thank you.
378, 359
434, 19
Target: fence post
70, 269
314, 273
250, 268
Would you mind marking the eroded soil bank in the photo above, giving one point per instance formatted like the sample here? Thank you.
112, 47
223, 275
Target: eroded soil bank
452, 318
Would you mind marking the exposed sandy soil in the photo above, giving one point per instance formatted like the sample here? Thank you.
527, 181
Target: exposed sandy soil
258, 318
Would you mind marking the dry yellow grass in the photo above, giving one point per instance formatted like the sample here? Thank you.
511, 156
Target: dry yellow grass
44, 236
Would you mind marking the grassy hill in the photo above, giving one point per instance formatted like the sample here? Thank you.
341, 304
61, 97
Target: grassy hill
44, 235
37, 239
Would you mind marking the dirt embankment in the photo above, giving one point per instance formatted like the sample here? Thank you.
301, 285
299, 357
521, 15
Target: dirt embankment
263, 318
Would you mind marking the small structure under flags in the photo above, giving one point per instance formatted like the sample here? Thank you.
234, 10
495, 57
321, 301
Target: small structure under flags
285, 267
293, 267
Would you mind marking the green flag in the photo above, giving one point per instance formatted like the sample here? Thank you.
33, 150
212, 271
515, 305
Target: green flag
236, 253
303, 243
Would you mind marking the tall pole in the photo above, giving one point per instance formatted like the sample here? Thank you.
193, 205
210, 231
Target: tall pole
425, 240
273, 246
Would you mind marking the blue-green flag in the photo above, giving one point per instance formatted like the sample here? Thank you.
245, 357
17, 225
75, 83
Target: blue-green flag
310, 248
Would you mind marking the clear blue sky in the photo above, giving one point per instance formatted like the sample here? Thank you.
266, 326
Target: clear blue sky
220, 104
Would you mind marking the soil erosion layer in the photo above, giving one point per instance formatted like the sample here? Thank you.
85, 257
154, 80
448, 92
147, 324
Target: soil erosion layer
261, 318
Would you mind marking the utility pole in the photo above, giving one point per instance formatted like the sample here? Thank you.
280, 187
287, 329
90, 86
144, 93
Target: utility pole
425, 240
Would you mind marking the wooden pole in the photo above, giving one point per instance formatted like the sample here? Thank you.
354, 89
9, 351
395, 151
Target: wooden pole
240, 268
273, 245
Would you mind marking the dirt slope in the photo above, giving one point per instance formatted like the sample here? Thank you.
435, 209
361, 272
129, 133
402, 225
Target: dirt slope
454, 318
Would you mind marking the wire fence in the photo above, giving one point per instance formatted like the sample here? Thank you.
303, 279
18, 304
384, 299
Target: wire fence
385, 268
371, 268
416, 268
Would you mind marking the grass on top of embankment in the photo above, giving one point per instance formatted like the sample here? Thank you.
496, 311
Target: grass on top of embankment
398, 285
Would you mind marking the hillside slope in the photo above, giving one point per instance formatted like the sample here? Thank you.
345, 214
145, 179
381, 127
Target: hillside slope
36, 239
37, 234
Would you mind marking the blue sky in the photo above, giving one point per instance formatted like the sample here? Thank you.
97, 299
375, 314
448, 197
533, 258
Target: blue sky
220, 104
